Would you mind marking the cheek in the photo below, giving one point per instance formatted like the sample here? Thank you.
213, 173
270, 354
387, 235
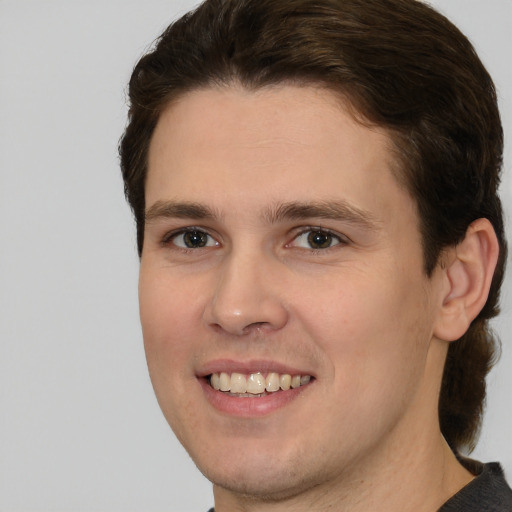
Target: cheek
169, 319
167, 306
375, 331
169, 326
376, 342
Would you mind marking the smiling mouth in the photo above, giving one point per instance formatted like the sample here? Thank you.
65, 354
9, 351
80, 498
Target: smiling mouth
256, 384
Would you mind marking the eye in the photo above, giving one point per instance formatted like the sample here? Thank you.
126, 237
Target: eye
192, 239
316, 239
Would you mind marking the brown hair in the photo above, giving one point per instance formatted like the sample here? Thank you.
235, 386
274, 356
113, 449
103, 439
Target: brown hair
402, 66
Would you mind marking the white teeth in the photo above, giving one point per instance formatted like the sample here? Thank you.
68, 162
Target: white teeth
285, 381
215, 381
256, 383
295, 381
304, 379
224, 382
238, 383
272, 382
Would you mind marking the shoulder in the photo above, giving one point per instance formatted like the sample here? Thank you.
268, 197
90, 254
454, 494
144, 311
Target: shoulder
487, 492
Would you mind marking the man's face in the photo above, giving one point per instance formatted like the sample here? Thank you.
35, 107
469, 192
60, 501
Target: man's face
278, 244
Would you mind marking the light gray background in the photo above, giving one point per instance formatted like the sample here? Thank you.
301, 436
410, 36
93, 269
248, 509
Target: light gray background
80, 429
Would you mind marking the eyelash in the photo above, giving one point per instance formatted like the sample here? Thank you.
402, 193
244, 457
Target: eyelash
170, 237
340, 239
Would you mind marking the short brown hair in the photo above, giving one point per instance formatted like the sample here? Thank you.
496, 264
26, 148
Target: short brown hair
402, 66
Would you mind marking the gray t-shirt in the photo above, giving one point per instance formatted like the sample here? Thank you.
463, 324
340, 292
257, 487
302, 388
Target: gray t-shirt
488, 492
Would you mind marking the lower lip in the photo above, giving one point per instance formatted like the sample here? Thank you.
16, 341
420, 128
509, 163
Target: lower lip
247, 407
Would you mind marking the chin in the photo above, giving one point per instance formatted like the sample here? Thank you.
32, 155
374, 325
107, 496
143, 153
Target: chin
275, 484
262, 474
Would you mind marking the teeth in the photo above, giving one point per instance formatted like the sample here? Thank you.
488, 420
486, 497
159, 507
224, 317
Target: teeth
285, 381
256, 383
238, 383
272, 383
215, 381
224, 382
305, 379
295, 381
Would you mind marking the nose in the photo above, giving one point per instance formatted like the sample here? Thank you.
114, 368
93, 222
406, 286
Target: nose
247, 296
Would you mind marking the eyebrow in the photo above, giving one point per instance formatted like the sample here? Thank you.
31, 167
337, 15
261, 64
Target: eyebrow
179, 210
333, 210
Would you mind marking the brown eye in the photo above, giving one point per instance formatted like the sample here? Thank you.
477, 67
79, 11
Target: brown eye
319, 239
316, 239
193, 239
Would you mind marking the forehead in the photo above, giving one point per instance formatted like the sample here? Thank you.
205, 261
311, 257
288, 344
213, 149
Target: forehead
291, 143
303, 115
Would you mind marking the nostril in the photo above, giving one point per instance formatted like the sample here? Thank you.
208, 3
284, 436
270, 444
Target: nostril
255, 326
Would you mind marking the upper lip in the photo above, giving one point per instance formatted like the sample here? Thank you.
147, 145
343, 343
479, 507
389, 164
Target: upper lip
248, 367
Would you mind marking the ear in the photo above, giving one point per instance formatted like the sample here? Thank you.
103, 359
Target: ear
468, 272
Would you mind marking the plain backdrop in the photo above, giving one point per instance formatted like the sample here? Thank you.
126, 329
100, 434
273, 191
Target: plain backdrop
80, 429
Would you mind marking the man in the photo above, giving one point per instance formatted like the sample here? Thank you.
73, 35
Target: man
321, 241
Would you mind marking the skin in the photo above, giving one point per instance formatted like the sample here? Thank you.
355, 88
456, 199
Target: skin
360, 316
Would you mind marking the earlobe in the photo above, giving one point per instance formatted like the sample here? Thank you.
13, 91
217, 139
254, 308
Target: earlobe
468, 272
